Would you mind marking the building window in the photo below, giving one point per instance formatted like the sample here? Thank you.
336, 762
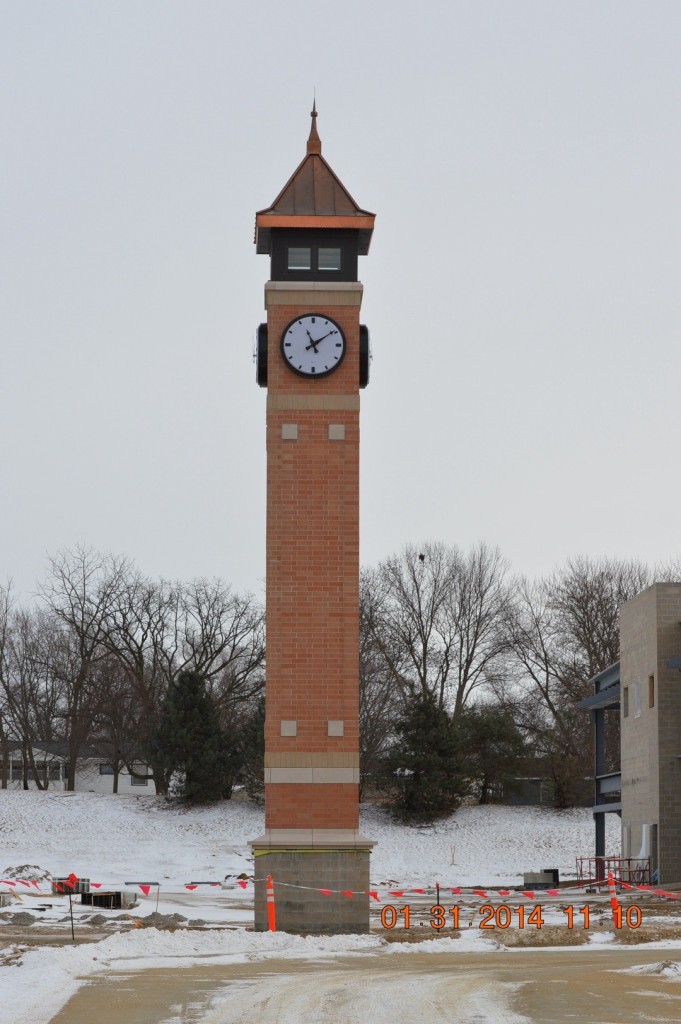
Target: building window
299, 258
106, 769
651, 691
625, 702
142, 769
329, 259
637, 700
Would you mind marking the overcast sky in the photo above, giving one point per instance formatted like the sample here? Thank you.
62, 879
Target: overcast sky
522, 288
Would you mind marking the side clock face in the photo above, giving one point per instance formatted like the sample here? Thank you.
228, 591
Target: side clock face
313, 345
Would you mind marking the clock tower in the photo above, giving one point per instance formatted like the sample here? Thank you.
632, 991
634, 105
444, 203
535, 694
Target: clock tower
313, 358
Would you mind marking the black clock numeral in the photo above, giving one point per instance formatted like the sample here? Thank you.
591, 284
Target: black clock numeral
339, 344
287, 344
313, 370
313, 319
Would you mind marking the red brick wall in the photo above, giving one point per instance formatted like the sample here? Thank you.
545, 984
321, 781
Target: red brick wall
312, 577
311, 806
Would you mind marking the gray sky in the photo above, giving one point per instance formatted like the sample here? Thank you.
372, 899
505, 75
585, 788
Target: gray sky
522, 288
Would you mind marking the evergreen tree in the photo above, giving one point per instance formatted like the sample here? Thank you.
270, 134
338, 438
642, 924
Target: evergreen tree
495, 750
253, 747
424, 767
189, 743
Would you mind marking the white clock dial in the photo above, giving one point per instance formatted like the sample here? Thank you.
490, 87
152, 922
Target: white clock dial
313, 345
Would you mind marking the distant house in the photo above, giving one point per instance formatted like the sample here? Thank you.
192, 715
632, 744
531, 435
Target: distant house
528, 792
94, 770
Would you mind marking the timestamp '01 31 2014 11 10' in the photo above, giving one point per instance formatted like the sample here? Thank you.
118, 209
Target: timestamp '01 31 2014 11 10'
503, 916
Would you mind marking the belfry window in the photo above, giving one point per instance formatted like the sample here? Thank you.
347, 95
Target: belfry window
314, 258
329, 259
299, 257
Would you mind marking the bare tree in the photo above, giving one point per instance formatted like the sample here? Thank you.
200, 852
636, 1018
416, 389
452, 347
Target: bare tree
116, 719
439, 620
139, 635
79, 592
5, 611
478, 607
379, 698
564, 630
29, 696
669, 571
158, 629
586, 595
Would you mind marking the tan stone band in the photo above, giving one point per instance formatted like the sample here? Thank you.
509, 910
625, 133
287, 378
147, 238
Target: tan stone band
312, 759
347, 403
323, 776
313, 293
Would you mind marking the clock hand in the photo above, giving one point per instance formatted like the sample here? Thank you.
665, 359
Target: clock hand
314, 343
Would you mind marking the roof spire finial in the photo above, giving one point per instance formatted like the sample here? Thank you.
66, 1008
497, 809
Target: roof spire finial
314, 143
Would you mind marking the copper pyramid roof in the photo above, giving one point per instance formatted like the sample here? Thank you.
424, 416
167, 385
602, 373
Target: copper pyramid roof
313, 197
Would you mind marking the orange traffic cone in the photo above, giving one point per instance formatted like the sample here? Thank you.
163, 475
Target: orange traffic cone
270, 904
614, 905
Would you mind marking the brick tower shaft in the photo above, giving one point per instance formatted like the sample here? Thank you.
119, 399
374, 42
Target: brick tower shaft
312, 359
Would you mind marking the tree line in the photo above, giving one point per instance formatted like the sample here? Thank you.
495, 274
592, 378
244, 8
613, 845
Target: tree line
452, 645
93, 660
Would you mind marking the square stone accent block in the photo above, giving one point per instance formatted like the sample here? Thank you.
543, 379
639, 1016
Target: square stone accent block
336, 431
305, 910
289, 431
335, 727
288, 727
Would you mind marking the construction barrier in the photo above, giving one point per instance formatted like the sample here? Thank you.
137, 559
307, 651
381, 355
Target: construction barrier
70, 884
271, 927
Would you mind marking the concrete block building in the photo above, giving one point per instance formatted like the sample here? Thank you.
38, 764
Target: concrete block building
650, 710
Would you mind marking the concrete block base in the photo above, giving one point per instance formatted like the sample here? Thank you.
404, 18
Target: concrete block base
305, 910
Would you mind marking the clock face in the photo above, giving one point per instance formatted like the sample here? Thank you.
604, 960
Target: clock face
313, 345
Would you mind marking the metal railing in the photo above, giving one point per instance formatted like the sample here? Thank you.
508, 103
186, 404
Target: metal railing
632, 870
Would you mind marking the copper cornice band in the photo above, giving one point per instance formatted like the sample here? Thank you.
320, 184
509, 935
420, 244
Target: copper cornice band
306, 220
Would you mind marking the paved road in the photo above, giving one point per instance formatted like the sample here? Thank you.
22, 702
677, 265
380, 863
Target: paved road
542, 986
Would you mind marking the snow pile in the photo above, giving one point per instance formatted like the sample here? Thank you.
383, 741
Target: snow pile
663, 969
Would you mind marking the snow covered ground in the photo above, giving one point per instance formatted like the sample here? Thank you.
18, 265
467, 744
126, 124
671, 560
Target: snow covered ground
116, 839
128, 841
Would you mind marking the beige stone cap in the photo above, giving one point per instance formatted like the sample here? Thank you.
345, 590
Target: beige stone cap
314, 293
312, 838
